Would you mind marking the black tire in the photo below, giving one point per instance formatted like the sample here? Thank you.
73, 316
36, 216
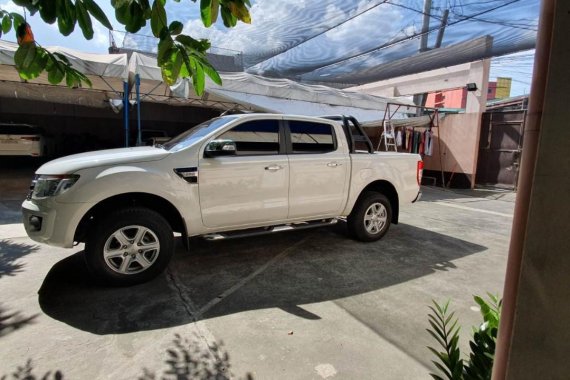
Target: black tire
153, 229
357, 227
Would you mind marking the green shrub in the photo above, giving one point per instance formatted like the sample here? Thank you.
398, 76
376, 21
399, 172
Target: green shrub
445, 330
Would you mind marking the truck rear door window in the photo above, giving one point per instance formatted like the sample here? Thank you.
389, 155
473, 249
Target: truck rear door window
258, 137
308, 137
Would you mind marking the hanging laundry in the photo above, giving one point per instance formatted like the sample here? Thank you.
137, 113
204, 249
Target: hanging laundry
399, 138
428, 143
417, 138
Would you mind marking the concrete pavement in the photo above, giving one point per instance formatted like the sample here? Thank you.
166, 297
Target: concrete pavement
301, 305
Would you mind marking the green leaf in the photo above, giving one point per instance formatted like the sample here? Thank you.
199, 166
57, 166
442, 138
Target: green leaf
215, 8
71, 79
229, 19
198, 45
17, 20
84, 20
48, 11
24, 55
62, 57
209, 11
171, 67
6, 24
198, 80
66, 16
175, 28
98, 13
132, 14
30, 60
240, 11
158, 18
163, 50
206, 12
56, 73
212, 73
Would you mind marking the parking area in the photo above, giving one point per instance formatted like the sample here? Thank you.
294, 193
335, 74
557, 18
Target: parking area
299, 305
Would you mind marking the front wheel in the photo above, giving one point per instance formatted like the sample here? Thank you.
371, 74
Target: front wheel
370, 219
129, 246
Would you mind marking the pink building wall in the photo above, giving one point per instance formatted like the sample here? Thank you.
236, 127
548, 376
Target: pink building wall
456, 98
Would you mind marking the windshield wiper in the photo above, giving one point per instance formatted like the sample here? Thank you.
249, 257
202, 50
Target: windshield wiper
159, 146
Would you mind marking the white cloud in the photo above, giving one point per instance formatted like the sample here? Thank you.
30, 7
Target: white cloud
11, 7
100, 35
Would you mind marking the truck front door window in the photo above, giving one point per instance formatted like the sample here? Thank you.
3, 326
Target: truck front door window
259, 137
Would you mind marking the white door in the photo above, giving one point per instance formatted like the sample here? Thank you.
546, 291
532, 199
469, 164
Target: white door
319, 170
252, 186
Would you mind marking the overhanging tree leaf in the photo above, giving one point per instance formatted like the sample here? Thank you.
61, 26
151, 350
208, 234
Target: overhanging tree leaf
84, 20
229, 19
30, 60
17, 20
56, 73
171, 67
158, 18
183, 56
6, 24
48, 10
66, 16
175, 28
98, 13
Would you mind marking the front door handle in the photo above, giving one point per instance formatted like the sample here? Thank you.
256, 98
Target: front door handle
333, 164
274, 167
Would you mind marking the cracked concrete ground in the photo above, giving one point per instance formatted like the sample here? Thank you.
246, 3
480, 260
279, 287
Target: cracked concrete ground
297, 305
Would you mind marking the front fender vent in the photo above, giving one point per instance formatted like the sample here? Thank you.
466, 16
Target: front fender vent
190, 175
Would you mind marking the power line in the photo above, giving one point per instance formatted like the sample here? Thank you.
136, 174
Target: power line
389, 44
323, 32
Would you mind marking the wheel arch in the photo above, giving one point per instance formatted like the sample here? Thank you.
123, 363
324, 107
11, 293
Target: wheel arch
386, 188
147, 200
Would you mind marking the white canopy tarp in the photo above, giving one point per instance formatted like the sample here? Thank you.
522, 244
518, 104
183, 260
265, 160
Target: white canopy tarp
104, 65
277, 95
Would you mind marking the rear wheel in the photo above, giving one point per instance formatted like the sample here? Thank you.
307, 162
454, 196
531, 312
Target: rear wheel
371, 217
130, 246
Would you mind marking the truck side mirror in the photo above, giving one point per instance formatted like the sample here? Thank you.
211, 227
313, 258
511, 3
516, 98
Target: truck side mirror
217, 148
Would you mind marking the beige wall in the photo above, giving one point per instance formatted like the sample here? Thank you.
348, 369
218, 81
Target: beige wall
540, 346
459, 144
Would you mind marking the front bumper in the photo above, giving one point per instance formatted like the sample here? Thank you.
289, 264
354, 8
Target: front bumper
52, 223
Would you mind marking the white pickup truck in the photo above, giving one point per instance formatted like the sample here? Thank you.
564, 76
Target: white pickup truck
232, 176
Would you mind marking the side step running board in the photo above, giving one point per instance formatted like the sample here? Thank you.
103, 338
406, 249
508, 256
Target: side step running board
267, 230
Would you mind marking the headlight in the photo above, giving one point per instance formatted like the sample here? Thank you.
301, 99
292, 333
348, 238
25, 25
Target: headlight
44, 186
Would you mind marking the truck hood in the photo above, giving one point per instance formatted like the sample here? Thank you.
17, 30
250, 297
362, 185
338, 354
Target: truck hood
73, 163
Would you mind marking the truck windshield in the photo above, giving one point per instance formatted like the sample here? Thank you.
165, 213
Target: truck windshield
189, 137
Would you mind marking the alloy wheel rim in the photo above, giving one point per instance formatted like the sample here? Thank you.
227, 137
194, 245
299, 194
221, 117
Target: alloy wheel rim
131, 249
375, 218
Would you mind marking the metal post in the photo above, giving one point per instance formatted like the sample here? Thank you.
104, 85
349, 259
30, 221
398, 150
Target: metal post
425, 26
441, 29
126, 111
138, 88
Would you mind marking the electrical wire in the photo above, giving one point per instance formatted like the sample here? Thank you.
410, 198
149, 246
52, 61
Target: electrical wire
324, 31
389, 44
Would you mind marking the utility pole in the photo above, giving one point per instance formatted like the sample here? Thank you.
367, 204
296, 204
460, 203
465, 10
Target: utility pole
441, 29
425, 26
420, 99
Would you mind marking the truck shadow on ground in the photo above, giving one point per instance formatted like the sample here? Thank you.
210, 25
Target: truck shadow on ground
273, 271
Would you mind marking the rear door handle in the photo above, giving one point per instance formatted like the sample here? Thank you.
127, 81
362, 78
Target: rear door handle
333, 164
274, 167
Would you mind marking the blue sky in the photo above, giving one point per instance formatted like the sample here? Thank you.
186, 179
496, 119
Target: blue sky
270, 43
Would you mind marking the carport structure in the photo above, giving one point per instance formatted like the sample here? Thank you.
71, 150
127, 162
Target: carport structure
125, 84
